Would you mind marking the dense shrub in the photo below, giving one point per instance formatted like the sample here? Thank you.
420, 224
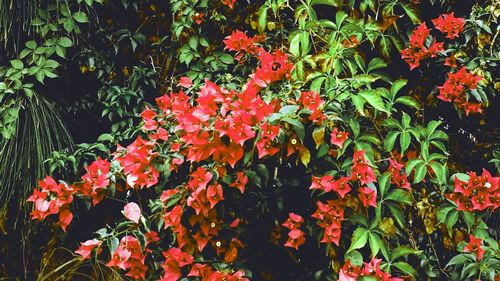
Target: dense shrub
290, 140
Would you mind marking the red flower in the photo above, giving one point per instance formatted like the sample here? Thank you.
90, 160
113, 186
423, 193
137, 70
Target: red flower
214, 194
341, 186
295, 239
185, 82
175, 259
330, 217
87, 247
229, 3
129, 256
240, 182
367, 196
449, 24
238, 41
294, 221
349, 272
338, 138
455, 87
265, 148
474, 246
132, 212
417, 50
451, 61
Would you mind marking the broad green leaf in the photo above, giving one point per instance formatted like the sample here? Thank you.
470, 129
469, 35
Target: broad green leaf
405, 268
359, 239
401, 251
390, 140
420, 172
375, 243
400, 196
80, 17
374, 99
404, 141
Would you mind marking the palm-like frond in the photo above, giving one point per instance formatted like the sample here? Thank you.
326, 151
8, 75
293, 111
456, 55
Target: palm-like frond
15, 20
39, 131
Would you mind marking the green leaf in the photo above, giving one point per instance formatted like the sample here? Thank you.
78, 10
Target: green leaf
404, 141
359, 239
411, 13
262, 18
355, 257
227, 59
469, 218
17, 64
375, 243
375, 64
374, 99
113, 244
288, 110
397, 86
458, 259
359, 103
398, 214
420, 172
80, 17
390, 140
442, 212
401, 251
65, 42
451, 219
405, 268
384, 183
400, 196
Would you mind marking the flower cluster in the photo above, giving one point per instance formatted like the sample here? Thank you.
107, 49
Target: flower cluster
330, 217
86, 248
350, 272
455, 88
338, 137
449, 24
478, 193
474, 246
239, 42
418, 50
398, 176
56, 198
95, 182
313, 102
130, 257
136, 161
53, 198
295, 235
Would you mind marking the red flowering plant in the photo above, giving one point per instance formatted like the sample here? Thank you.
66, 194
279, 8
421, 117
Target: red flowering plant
465, 80
317, 165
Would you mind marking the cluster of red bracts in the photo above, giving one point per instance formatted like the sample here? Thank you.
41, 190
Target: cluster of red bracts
455, 87
418, 50
350, 272
331, 214
295, 235
478, 193
457, 84
56, 198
